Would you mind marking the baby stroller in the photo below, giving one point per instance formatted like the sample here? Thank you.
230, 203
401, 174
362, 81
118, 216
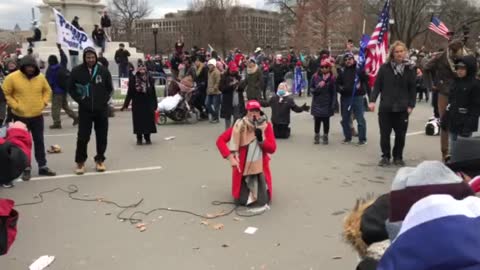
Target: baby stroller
178, 108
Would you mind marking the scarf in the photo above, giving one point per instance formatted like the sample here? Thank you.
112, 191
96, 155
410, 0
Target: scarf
243, 135
141, 83
398, 69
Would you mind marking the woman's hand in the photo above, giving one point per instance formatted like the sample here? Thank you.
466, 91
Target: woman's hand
234, 161
321, 84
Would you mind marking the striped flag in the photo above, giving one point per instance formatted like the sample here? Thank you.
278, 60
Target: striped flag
439, 27
377, 48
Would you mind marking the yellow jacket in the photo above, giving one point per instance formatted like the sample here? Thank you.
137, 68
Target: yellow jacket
26, 97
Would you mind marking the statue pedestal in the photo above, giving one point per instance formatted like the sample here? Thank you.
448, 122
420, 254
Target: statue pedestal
89, 12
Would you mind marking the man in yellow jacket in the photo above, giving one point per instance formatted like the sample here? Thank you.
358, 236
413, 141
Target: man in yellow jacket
27, 93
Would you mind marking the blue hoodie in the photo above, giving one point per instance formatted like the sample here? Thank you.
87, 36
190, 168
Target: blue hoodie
53, 79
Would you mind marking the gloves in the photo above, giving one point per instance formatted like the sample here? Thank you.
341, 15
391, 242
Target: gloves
259, 135
305, 107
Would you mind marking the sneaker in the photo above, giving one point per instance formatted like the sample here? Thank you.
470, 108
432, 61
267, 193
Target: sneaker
325, 139
316, 139
399, 162
347, 141
75, 121
384, 162
80, 170
46, 172
362, 143
27, 175
9, 185
100, 166
56, 126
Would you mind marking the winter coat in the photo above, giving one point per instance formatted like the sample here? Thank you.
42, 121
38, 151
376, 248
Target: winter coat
346, 81
463, 108
281, 109
254, 83
398, 93
323, 98
144, 106
440, 65
279, 71
91, 92
121, 56
15, 154
268, 146
201, 79
230, 86
214, 77
27, 97
57, 77
98, 35
105, 21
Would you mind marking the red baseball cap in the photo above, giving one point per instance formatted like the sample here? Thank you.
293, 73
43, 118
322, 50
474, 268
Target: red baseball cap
253, 105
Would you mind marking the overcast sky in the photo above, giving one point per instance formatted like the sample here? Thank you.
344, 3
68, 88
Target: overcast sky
19, 11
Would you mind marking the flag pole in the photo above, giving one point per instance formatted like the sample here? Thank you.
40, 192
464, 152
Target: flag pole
364, 23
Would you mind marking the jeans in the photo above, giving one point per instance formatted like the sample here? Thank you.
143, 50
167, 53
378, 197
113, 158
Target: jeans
74, 61
86, 121
36, 126
123, 70
398, 121
213, 106
59, 102
358, 111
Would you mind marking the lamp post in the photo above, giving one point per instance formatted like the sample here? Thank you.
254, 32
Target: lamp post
155, 27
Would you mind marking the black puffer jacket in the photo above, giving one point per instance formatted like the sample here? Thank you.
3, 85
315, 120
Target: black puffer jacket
91, 92
464, 101
398, 92
281, 109
346, 80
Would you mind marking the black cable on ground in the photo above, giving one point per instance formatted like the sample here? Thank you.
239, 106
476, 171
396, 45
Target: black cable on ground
73, 189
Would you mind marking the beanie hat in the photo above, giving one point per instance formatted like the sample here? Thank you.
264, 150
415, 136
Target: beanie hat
52, 60
212, 62
438, 233
299, 63
232, 66
326, 63
13, 162
413, 184
253, 60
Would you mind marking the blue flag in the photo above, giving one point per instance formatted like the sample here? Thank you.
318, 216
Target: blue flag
360, 65
298, 82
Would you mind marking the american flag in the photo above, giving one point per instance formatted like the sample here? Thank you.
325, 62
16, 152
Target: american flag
439, 27
377, 48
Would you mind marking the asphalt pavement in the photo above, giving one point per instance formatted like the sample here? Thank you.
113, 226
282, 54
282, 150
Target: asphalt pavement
313, 187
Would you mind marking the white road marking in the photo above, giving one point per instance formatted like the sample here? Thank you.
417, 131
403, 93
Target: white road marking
60, 135
99, 173
415, 133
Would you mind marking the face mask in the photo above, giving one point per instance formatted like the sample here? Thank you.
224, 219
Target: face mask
281, 93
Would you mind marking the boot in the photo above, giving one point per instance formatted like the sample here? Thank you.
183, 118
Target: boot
325, 139
56, 126
75, 121
316, 139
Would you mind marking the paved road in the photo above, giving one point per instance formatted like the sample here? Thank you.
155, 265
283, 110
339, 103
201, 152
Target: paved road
313, 186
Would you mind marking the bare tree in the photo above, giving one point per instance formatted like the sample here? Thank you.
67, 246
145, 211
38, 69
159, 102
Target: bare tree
125, 12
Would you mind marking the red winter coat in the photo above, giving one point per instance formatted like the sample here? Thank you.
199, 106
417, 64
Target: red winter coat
268, 147
20, 138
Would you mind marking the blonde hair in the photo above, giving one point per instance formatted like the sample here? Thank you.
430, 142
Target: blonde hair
392, 49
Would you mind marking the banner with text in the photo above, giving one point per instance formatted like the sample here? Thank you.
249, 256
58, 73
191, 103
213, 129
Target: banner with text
69, 36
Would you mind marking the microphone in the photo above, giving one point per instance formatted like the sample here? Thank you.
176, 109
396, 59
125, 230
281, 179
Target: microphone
255, 121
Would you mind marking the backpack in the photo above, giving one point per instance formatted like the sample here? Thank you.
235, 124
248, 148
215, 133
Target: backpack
432, 127
8, 225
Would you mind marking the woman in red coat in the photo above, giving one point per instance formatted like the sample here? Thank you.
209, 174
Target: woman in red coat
247, 145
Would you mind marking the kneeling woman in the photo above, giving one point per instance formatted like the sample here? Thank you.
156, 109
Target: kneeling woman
247, 146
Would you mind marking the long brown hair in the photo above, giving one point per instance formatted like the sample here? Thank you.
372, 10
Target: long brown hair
392, 49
